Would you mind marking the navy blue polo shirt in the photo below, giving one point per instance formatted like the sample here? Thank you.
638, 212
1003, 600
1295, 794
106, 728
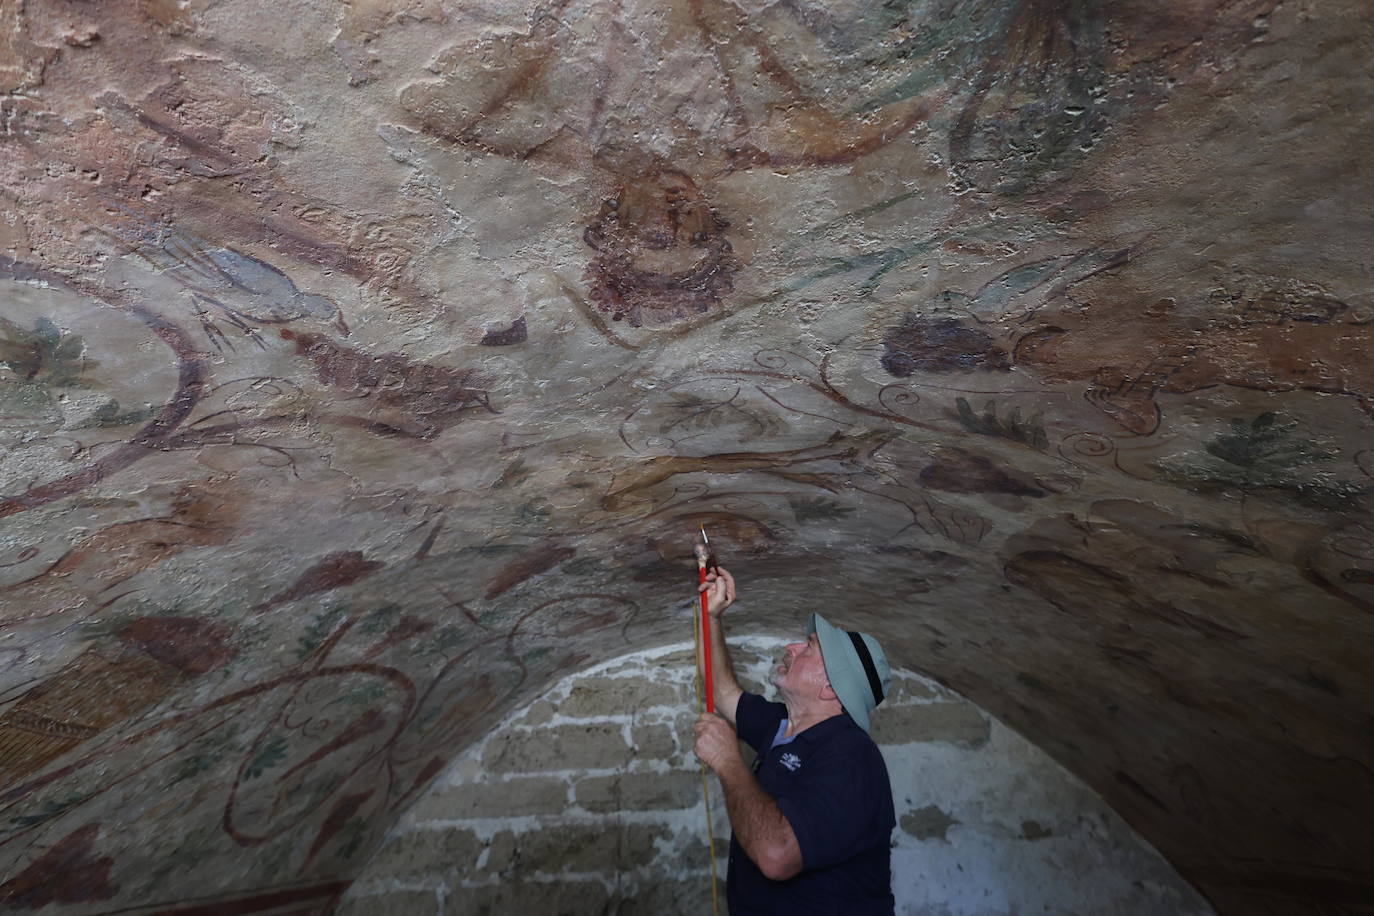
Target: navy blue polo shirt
831, 783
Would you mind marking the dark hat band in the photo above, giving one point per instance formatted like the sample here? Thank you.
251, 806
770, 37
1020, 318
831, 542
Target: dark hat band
866, 660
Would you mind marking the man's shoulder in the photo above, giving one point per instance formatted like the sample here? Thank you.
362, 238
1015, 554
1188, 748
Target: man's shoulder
841, 729
756, 720
758, 705
842, 736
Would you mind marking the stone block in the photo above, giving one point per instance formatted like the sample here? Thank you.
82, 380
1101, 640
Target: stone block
536, 898
617, 696
427, 853
501, 852
607, 848
957, 723
905, 690
515, 797
693, 853
683, 723
539, 713
392, 903
683, 658
747, 657
564, 747
654, 742
639, 792
669, 898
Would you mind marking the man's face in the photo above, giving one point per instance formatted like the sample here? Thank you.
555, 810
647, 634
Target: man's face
802, 672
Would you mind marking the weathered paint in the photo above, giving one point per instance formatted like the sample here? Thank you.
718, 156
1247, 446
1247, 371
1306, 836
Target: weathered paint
1031, 334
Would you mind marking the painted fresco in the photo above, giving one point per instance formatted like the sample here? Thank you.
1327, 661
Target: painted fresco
365, 368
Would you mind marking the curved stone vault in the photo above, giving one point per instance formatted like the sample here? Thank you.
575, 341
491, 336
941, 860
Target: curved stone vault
590, 800
365, 368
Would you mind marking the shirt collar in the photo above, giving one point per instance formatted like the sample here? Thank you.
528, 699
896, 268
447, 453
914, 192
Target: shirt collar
818, 732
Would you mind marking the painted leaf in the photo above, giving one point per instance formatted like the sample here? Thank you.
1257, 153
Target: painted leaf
46, 354
1265, 453
1030, 431
268, 756
816, 509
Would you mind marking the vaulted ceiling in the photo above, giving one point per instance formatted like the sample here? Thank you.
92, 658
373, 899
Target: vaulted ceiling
366, 367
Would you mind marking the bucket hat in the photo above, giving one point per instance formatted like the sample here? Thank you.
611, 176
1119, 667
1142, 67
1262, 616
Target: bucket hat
856, 666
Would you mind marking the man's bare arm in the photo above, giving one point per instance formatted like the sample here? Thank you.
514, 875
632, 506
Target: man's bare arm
759, 824
719, 589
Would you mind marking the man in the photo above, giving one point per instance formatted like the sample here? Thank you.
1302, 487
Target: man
813, 818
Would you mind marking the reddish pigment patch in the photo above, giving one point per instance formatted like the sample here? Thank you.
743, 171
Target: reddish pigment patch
417, 399
518, 332
531, 564
661, 249
338, 816
192, 646
69, 872
939, 345
957, 471
334, 571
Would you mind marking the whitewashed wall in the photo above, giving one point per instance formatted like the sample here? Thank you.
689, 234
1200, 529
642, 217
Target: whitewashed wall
589, 801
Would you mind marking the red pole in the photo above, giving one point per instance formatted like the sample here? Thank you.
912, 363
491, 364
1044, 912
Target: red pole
706, 641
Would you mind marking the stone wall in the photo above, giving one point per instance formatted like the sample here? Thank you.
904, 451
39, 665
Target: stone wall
589, 801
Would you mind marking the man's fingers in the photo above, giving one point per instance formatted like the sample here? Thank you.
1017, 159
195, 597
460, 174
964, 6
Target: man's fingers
728, 581
717, 590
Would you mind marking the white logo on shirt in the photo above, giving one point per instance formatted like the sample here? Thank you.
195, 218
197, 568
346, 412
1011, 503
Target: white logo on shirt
791, 761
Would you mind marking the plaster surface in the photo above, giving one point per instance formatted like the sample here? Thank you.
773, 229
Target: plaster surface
988, 824
365, 369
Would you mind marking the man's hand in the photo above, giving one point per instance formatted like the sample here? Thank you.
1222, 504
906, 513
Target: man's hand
759, 824
719, 588
717, 744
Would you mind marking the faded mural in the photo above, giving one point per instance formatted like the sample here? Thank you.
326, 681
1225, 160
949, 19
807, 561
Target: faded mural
365, 368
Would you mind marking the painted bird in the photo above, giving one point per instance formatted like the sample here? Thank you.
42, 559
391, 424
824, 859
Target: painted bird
221, 282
